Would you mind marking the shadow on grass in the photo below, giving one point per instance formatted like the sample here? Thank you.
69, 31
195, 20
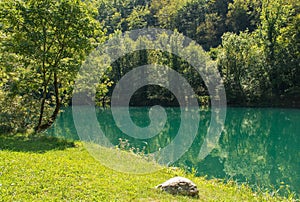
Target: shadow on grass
33, 143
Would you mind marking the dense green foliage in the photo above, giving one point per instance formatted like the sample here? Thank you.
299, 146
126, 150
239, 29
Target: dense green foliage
38, 168
255, 44
43, 44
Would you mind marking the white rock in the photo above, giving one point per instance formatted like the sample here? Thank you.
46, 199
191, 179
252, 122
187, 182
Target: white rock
179, 185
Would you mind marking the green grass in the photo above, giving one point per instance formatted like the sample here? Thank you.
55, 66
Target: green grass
38, 168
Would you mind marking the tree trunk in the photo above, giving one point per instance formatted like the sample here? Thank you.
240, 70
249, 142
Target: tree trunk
42, 108
57, 107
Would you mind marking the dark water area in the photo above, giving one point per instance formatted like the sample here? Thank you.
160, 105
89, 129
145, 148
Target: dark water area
258, 146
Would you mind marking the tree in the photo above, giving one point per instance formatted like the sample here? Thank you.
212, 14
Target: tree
189, 17
114, 14
289, 52
52, 38
277, 19
243, 15
242, 63
165, 12
139, 18
210, 31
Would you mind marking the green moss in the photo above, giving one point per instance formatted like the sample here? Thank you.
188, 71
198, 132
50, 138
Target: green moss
38, 168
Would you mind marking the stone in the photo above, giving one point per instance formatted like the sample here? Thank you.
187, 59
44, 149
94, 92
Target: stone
179, 185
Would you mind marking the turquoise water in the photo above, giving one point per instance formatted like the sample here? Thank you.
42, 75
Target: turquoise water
259, 146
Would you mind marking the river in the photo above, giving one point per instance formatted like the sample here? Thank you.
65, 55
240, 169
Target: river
258, 146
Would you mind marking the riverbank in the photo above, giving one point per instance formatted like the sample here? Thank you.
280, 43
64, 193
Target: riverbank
39, 168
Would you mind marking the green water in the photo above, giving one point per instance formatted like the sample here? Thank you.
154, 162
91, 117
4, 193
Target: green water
258, 146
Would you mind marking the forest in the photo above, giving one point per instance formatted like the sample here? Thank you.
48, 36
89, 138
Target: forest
254, 44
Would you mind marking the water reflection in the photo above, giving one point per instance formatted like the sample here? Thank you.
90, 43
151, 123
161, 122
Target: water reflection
258, 146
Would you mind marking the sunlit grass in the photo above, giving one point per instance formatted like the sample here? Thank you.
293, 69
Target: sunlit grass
38, 168
121, 160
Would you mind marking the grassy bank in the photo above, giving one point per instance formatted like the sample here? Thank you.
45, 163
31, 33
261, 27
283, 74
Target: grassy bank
38, 168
